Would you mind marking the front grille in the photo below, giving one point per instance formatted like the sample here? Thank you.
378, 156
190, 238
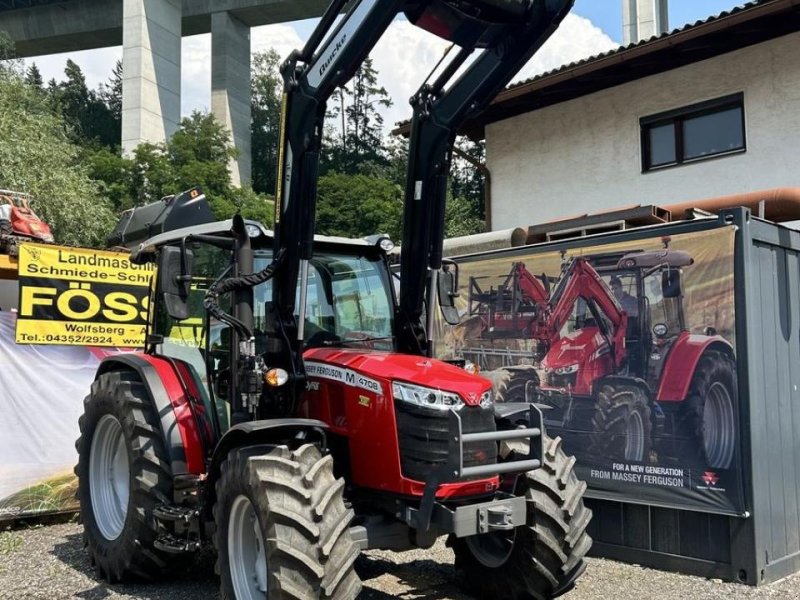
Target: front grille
563, 381
424, 437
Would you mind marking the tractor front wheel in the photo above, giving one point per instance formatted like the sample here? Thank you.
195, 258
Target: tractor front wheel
282, 527
542, 559
622, 423
514, 386
123, 474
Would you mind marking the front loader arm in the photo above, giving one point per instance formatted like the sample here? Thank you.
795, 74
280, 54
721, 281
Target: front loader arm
581, 280
311, 76
507, 33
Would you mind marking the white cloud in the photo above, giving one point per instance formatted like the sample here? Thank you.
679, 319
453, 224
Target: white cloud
406, 54
403, 57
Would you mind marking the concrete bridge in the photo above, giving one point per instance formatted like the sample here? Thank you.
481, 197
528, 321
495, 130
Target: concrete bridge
149, 32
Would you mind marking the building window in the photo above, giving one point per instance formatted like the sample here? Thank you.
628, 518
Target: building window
693, 133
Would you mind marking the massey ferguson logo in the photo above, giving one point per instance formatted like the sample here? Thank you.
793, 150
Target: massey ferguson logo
710, 478
339, 45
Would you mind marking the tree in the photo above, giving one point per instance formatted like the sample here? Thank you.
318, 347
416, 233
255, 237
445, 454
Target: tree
88, 117
358, 205
110, 94
358, 145
33, 77
466, 180
461, 218
265, 106
37, 157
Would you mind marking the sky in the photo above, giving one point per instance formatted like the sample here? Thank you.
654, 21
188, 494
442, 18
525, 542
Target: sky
404, 55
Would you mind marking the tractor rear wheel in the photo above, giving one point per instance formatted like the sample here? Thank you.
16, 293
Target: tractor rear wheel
622, 424
708, 416
123, 474
282, 527
543, 558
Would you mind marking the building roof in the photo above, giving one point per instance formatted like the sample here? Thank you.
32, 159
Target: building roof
743, 26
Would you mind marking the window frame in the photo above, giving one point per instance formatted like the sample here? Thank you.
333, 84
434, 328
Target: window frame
677, 117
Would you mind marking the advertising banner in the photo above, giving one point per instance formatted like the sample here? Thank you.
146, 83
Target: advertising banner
82, 297
629, 349
43, 390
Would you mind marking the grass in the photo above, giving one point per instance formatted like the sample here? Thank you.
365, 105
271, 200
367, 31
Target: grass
10, 542
56, 494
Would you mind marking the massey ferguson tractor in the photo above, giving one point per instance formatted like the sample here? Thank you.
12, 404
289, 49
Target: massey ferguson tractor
18, 223
621, 362
305, 420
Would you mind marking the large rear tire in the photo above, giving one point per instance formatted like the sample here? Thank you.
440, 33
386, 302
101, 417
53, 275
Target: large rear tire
542, 559
708, 416
622, 423
282, 527
123, 474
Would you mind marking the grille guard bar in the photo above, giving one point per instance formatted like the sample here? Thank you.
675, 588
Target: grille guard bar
529, 421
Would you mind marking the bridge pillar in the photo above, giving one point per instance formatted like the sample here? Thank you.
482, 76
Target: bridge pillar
151, 71
230, 88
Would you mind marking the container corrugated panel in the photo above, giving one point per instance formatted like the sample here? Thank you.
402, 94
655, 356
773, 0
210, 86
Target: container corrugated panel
772, 282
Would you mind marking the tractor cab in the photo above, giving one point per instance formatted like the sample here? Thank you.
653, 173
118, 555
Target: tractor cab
647, 285
349, 300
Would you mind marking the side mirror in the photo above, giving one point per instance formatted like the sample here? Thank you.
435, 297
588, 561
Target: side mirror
448, 292
671, 285
174, 278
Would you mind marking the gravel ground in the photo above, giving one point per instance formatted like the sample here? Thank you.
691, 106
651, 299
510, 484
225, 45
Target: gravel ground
49, 562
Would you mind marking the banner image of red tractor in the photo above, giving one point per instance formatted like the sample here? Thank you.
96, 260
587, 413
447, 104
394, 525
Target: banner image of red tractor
629, 350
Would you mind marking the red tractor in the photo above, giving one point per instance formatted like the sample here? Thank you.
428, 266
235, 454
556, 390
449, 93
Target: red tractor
614, 357
18, 223
510, 309
286, 408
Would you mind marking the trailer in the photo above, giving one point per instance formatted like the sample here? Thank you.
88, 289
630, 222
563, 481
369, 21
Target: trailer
674, 505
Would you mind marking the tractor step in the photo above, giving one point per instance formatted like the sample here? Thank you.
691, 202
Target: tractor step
173, 545
170, 513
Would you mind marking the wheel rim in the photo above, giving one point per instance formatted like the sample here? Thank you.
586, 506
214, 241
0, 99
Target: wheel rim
109, 477
492, 549
718, 426
634, 439
246, 556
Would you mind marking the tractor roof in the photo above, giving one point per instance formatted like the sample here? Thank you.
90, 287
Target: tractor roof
639, 259
259, 234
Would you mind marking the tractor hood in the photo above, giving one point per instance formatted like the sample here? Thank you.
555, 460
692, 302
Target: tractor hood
574, 348
385, 367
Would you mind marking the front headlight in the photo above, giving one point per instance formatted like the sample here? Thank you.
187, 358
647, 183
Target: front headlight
487, 399
426, 397
568, 370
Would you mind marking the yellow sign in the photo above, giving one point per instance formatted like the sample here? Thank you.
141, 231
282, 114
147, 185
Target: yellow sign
81, 297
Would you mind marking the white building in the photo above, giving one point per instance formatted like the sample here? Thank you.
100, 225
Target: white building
708, 110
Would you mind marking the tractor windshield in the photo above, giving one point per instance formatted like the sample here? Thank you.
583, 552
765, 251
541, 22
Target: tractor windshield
349, 302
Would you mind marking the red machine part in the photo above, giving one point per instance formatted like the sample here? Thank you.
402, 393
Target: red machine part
580, 280
180, 401
351, 390
681, 363
531, 287
22, 220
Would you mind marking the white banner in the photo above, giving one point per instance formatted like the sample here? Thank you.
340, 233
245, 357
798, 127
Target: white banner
41, 398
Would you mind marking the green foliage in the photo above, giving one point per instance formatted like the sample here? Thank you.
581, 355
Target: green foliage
37, 157
265, 105
355, 133
89, 117
197, 154
10, 542
461, 218
358, 205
